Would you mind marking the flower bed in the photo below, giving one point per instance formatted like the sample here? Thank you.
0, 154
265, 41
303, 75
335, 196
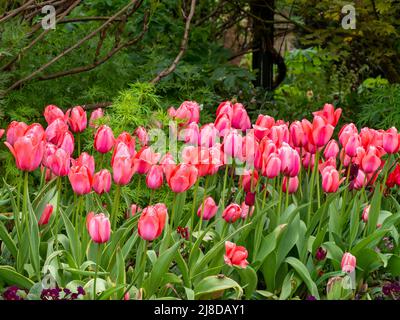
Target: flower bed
235, 210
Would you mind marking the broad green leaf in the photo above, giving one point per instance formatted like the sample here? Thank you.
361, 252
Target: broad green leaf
8, 241
248, 281
304, 274
214, 286
12, 277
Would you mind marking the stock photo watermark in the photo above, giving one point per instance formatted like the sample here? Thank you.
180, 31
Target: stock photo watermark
349, 20
49, 20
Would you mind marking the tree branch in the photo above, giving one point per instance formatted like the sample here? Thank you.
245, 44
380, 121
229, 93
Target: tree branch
13, 13
183, 48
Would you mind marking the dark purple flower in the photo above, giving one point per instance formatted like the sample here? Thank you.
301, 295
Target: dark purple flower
11, 293
320, 254
310, 297
250, 198
386, 289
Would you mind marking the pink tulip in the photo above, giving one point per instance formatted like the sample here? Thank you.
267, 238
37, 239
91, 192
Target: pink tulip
348, 263
55, 131
142, 135
290, 160
250, 198
145, 159
272, 166
77, 119
297, 136
249, 180
329, 114
104, 139
182, 177
223, 124
330, 179
52, 112
102, 181
359, 181
99, 228
122, 164
80, 179
319, 132
266, 147
391, 140
46, 214
152, 221
155, 177
2, 133
232, 212
217, 158
59, 162
235, 255
168, 164
331, 150
246, 210
134, 208
28, 152
240, 119
371, 161
208, 135
190, 134
225, 108
126, 138
308, 160
250, 147
279, 134
263, 126
96, 114
233, 144
15, 130
353, 142
66, 142
346, 132
293, 184
86, 160
365, 213
188, 111
207, 209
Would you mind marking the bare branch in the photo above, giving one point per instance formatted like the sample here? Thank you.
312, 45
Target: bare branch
13, 13
183, 48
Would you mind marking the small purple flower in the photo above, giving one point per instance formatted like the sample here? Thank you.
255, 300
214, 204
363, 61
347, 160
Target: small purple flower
386, 289
11, 293
320, 254
310, 297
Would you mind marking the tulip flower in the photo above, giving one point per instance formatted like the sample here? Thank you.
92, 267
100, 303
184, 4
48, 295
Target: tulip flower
2, 133
250, 147
250, 198
207, 209
80, 179
66, 142
394, 177
391, 140
240, 119
320, 254
249, 180
46, 214
329, 114
188, 111
365, 213
96, 114
318, 132
235, 255
233, 144
225, 108
104, 139
56, 130
122, 165
352, 144
142, 136
145, 159
331, 150
263, 126
308, 160
359, 181
99, 227
155, 177
232, 212
266, 147
59, 162
292, 185
35, 130
126, 138
223, 124
28, 152
272, 166
190, 134
15, 130
330, 179
52, 112
348, 263
297, 136
133, 209
77, 119
168, 164
246, 210
102, 181
152, 221
290, 160
182, 177
86, 160
371, 161
208, 135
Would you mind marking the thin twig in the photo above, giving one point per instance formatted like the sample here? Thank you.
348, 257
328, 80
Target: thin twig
13, 13
183, 47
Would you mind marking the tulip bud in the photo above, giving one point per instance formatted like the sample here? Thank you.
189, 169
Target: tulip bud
250, 198
80, 179
231, 213
142, 135
365, 213
77, 119
46, 214
348, 263
391, 140
320, 254
272, 166
99, 228
52, 112
155, 177
291, 186
102, 181
330, 179
152, 221
96, 114
235, 255
331, 150
207, 209
104, 139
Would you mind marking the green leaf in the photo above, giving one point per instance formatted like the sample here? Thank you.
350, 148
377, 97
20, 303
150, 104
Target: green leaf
374, 210
249, 280
213, 287
12, 277
8, 241
304, 274
371, 240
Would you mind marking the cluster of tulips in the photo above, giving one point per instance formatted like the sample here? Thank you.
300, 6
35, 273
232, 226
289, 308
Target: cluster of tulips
269, 152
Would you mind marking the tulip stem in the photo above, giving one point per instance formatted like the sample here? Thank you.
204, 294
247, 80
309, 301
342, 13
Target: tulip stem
224, 186
264, 193
287, 193
314, 172
79, 143
151, 196
194, 206
116, 206
173, 212
57, 213
98, 255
